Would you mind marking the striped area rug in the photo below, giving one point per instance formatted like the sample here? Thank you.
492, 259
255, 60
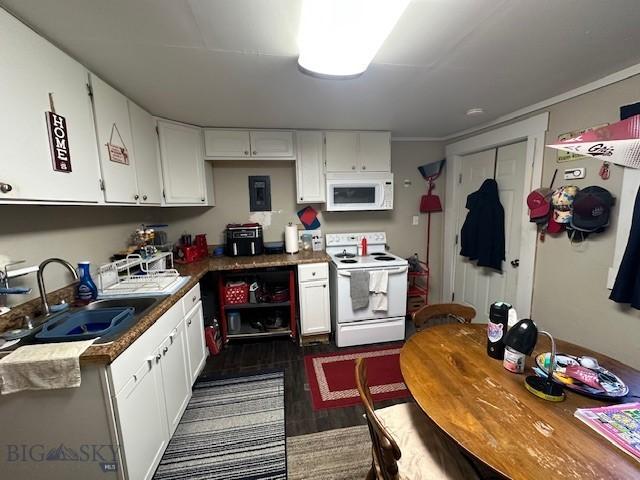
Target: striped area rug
232, 429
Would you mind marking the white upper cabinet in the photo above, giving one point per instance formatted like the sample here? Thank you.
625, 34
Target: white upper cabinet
341, 151
33, 70
310, 178
145, 148
358, 151
183, 168
272, 144
222, 144
226, 143
115, 143
374, 153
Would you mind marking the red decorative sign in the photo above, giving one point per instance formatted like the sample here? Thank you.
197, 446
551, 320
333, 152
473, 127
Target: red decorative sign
58, 142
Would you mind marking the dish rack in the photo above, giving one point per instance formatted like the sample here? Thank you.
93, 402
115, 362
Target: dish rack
137, 275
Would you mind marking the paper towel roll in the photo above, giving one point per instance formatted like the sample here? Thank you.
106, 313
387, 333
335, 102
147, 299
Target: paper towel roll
291, 238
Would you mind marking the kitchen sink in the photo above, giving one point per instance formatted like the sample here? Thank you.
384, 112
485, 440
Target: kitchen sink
97, 319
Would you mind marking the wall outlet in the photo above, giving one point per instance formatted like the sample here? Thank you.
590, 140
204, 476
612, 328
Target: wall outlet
575, 173
415, 220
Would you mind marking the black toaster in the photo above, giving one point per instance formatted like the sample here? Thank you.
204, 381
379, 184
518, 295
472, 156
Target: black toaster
245, 239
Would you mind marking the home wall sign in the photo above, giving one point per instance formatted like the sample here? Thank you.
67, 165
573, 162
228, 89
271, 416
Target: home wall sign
58, 142
117, 153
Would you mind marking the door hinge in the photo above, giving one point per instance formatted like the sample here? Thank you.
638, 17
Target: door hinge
101, 184
453, 296
456, 240
460, 179
89, 90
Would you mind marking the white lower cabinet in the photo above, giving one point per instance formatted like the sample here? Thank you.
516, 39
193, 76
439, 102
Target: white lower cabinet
175, 375
142, 420
151, 385
194, 323
313, 290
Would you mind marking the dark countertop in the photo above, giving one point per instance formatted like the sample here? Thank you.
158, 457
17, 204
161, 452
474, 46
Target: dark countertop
107, 353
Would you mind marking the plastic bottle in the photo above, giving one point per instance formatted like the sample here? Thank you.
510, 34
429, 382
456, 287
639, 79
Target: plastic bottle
86, 291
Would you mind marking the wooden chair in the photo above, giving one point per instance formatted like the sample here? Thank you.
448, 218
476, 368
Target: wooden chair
428, 452
441, 313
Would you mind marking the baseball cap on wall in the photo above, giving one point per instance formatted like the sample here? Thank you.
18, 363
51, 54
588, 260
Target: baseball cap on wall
539, 203
592, 209
562, 202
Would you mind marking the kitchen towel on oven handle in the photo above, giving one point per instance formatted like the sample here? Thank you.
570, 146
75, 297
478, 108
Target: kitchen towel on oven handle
359, 289
379, 286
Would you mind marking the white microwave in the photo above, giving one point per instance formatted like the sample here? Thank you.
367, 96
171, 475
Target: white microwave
361, 191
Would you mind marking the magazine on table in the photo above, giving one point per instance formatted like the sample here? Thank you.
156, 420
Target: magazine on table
620, 424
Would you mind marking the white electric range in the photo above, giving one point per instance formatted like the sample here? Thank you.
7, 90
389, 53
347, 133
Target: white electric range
364, 326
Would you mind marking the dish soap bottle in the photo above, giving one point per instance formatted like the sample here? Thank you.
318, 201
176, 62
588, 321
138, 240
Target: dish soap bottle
86, 291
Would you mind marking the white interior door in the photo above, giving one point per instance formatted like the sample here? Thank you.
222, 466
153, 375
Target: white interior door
481, 286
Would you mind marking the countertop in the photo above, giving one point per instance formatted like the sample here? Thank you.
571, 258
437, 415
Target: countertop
107, 353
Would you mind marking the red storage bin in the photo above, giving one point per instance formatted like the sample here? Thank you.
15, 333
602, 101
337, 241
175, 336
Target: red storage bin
235, 294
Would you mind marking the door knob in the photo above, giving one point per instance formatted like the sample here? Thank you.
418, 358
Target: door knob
515, 263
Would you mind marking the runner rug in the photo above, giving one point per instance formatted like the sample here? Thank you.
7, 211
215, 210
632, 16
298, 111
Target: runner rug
232, 429
332, 382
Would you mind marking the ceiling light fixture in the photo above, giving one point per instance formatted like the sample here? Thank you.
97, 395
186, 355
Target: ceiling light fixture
339, 38
473, 112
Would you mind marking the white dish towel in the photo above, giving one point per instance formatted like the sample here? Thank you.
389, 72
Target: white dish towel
42, 367
378, 286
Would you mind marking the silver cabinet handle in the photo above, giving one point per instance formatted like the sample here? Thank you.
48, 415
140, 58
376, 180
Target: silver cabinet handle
194, 299
255, 152
202, 199
136, 196
364, 167
189, 322
246, 152
165, 350
5, 187
158, 357
324, 286
144, 197
353, 167
301, 198
313, 274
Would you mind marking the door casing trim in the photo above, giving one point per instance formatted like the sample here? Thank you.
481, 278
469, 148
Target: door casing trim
532, 130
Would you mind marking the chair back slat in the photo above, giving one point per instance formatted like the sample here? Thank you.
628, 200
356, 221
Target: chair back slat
385, 450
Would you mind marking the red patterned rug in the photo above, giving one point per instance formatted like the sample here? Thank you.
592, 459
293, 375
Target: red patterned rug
332, 382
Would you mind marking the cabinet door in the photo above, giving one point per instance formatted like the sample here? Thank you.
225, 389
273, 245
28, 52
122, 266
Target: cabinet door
272, 144
32, 69
310, 178
145, 148
226, 143
195, 341
182, 163
175, 375
142, 420
111, 112
375, 152
341, 151
314, 308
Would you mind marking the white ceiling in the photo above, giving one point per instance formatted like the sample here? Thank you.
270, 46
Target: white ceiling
233, 62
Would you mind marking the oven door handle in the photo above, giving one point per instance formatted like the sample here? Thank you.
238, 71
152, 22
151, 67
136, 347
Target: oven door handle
391, 272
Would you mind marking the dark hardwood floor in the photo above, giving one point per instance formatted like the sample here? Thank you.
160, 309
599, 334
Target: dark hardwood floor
241, 358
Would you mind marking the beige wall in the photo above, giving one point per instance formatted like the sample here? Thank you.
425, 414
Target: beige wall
232, 198
77, 233
570, 297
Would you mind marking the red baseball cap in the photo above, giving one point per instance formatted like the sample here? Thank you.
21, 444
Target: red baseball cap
539, 203
553, 226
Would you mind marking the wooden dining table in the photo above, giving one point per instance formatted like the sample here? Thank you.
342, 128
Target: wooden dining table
489, 413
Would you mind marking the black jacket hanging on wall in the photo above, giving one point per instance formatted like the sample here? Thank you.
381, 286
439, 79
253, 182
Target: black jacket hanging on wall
482, 235
626, 289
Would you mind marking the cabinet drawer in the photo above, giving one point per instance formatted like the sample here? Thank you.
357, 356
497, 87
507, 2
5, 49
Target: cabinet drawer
191, 299
313, 271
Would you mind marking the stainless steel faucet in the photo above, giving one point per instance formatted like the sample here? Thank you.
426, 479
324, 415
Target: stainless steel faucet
41, 287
